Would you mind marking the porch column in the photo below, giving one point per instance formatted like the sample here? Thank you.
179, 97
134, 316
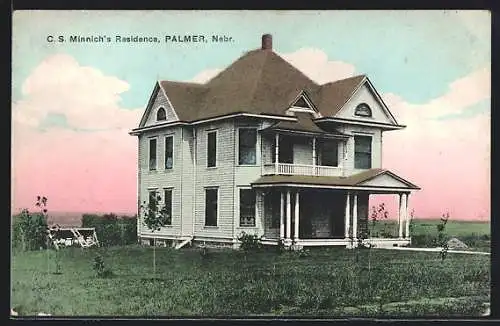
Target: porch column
401, 216
347, 214
355, 217
282, 215
407, 217
296, 233
314, 151
258, 221
288, 215
276, 152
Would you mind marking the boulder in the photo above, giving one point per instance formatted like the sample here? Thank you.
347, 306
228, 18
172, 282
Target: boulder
13, 312
43, 314
454, 243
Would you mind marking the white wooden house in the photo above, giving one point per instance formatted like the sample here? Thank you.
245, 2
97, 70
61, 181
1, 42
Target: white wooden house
263, 149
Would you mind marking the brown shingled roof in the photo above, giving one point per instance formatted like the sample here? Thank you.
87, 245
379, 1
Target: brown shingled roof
259, 82
304, 123
334, 95
350, 181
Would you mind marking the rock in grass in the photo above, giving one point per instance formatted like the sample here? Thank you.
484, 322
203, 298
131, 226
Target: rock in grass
43, 314
454, 243
13, 312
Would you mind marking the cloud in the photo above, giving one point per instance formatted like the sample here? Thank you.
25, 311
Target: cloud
93, 171
462, 93
477, 22
448, 158
313, 62
76, 170
205, 75
83, 95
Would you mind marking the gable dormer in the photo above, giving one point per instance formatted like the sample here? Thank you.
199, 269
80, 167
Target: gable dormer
365, 104
302, 103
159, 109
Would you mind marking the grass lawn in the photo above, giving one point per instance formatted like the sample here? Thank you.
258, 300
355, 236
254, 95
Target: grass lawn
476, 235
333, 282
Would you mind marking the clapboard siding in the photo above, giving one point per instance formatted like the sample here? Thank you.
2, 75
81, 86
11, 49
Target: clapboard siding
160, 101
267, 153
161, 178
221, 176
364, 95
187, 182
302, 150
244, 175
376, 135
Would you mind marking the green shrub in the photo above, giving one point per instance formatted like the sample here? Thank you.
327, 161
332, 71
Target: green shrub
100, 269
29, 231
424, 240
112, 230
249, 242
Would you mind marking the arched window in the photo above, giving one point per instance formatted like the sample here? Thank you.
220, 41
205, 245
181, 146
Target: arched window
363, 110
161, 114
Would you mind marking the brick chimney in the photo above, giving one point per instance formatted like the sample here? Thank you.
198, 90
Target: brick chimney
267, 42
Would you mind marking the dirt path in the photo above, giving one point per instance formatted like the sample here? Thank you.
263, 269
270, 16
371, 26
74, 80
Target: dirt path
438, 249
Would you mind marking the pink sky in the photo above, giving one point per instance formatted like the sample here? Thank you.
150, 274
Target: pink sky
97, 171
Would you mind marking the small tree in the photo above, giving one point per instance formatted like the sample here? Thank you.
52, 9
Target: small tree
379, 213
154, 217
41, 202
441, 238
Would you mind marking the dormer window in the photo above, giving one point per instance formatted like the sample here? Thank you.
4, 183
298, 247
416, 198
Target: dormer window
363, 110
301, 103
161, 114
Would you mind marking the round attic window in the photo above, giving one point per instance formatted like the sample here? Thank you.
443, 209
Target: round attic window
161, 114
363, 110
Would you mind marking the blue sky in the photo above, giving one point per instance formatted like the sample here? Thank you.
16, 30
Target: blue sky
414, 54
432, 68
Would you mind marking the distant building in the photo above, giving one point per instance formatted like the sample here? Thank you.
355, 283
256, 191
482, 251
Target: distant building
263, 149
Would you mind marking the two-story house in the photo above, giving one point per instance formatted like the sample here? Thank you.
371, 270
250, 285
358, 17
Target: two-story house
263, 149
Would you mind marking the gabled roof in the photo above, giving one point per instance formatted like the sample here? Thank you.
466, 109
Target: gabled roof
355, 180
304, 124
259, 82
185, 98
334, 95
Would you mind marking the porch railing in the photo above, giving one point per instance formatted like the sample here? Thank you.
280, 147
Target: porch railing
301, 169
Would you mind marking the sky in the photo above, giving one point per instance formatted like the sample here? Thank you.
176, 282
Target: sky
73, 104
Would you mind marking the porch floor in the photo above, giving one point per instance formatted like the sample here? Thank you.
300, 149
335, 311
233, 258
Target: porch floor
347, 242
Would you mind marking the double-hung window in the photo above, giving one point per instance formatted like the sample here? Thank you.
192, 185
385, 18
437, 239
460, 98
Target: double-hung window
362, 152
247, 151
167, 207
152, 153
212, 149
247, 207
327, 152
169, 152
211, 206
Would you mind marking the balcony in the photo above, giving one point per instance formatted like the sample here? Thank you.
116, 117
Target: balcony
300, 169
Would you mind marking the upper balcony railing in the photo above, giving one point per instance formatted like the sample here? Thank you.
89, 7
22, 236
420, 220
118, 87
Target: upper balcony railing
300, 169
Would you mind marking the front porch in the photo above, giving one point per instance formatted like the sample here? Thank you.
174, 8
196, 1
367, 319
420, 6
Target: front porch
330, 211
305, 217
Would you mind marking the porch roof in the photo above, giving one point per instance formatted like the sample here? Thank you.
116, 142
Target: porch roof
304, 125
372, 179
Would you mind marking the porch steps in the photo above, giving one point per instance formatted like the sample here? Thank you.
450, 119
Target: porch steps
183, 243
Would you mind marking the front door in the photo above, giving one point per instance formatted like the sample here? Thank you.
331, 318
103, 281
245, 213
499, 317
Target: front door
306, 213
286, 150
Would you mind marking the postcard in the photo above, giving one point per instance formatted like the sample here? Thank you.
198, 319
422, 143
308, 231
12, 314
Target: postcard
273, 164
